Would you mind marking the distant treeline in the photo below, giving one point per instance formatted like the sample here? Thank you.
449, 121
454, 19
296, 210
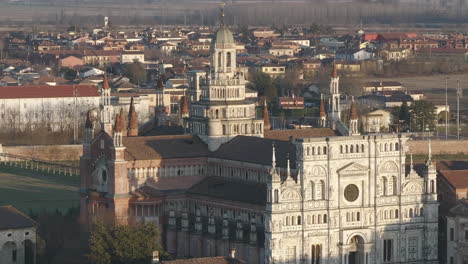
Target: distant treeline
156, 12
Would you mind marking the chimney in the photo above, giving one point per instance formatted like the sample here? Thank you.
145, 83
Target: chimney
232, 253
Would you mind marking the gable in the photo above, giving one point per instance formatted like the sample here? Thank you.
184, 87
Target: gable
290, 195
353, 168
413, 187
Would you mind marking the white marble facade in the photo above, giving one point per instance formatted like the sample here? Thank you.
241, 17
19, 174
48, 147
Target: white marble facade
352, 203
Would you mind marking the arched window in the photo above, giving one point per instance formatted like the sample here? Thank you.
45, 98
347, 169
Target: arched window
357, 148
299, 220
228, 57
351, 149
224, 129
312, 190
287, 220
362, 148
394, 185
411, 212
325, 220
358, 216
276, 197
341, 149
322, 189
384, 186
397, 147
293, 220
346, 148
313, 150
391, 146
416, 212
396, 214
313, 219
319, 219
307, 151
432, 186
220, 55
385, 147
217, 113
324, 150
353, 216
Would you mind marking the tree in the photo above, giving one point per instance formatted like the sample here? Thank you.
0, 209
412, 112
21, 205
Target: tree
136, 72
404, 115
263, 84
423, 115
124, 244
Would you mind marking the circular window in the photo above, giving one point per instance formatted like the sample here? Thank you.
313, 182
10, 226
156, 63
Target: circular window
351, 193
104, 176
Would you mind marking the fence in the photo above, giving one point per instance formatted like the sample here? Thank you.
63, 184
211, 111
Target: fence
13, 160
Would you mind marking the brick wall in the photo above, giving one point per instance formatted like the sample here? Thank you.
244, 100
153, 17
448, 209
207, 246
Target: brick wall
47, 152
439, 147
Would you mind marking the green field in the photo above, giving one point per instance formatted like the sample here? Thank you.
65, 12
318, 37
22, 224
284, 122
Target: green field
36, 191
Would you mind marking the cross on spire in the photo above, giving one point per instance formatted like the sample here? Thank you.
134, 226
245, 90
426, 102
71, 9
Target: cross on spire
221, 15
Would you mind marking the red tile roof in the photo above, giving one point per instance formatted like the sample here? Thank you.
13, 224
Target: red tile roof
457, 178
47, 91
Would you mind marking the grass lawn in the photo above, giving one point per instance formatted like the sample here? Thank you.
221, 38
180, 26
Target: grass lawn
35, 191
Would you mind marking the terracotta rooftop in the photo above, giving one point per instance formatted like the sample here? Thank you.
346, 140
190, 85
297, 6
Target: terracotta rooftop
11, 218
156, 147
257, 150
286, 134
457, 178
47, 91
231, 190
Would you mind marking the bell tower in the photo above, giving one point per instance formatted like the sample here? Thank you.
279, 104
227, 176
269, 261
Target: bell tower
223, 110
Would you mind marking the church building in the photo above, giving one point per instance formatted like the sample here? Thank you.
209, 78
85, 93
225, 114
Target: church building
320, 195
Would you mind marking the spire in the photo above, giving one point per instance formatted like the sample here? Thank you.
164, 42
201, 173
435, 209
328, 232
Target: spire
89, 122
221, 15
266, 117
353, 113
429, 158
411, 161
288, 168
118, 123
105, 82
273, 158
133, 121
322, 107
334, 71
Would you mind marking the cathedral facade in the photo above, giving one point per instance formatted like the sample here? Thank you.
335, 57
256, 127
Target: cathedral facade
292, 196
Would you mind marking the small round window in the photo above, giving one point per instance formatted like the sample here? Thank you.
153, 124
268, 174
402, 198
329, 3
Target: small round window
104, 176
351, 193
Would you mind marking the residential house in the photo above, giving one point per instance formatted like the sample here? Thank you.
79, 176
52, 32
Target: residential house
281, 51
372, 87
397, 54
131, 56
353, 55
274, 70
377, 121
87, 72
71, 62
101, 57
291, 102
